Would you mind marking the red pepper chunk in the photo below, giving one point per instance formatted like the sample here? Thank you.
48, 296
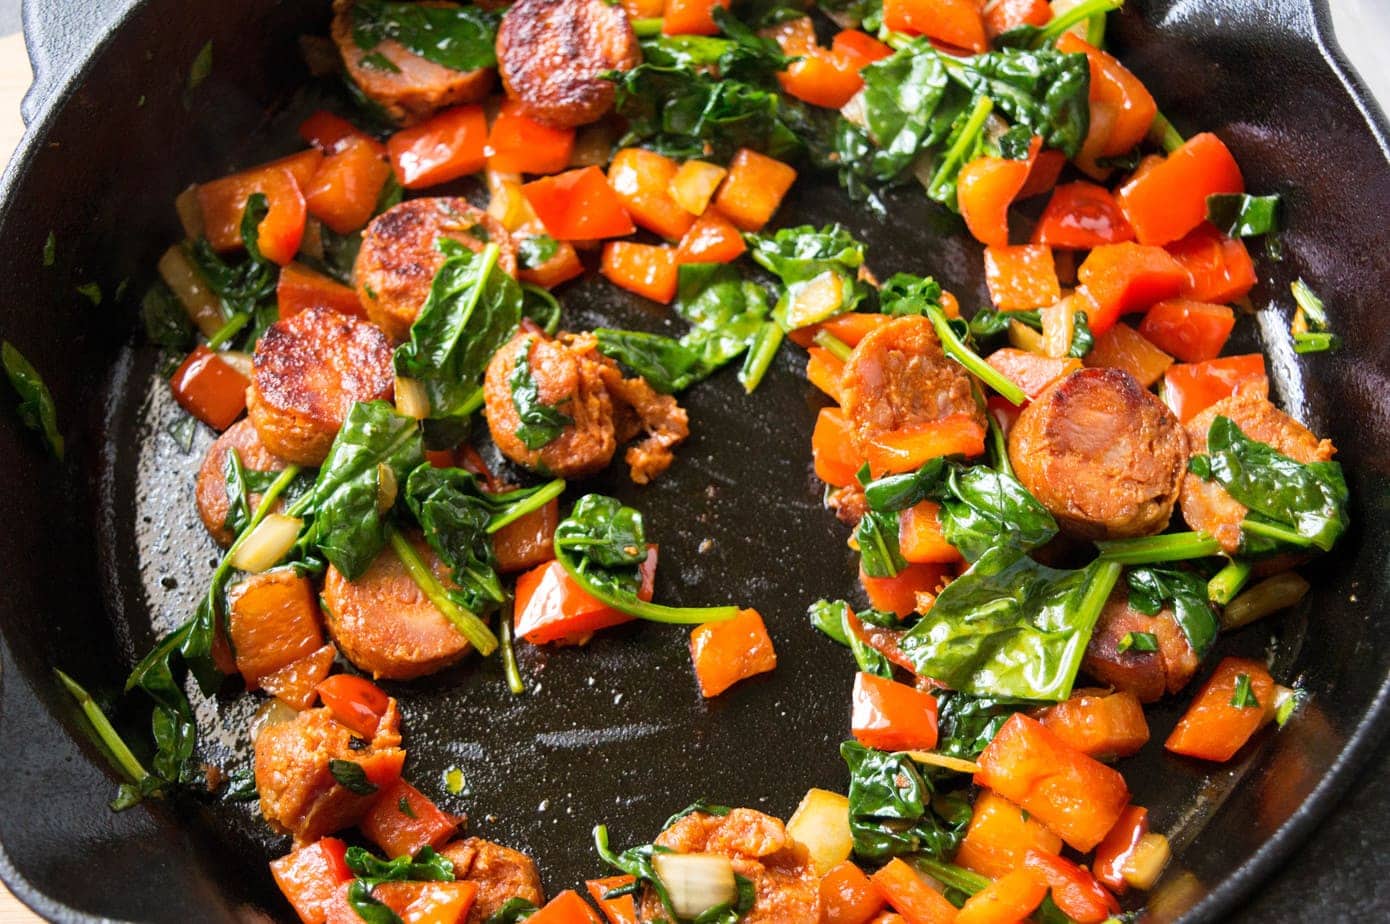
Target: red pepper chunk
300, 287
328, 132
1077, 797
518, 143
1169, 199
1190, 388
847, 896
578, 205
832, 449
1076, 892
1219, 267
899, 594
620, 910
1099, 724
1118, 846
726, 652
403, 820
892, 716
223, 202
347, 186
910, 896
309, 876
711, 239
1021, 277
1219, 721
984, 190
1191, 331
566, 908
448, 145
1006, 900
210, 388
552, 607
691, 17
1119, 279
1080, 216
955, 22
355, 702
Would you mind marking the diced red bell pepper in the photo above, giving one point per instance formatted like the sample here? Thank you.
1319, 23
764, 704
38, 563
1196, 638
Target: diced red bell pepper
1190, 388
1007, 900
859, 48
518, 143
847, 896
1218, 723
1021, 277
1076, 796
1123, 347
909, 448
310, 875
1099, 724
1109, 863
899, 594
1219, 267
425, 902
824, 370
1192, 331
448, 145
1031, 371
566, 908
282, 182
753, 189
578, 205
1080, 216
984, 190
1122, 108
527, 541
891, 716
403, 820
552, 607
642, 180
300, 287
1169, 199
1076, 892
209, 388
691, 17
328, 132
562, 267
711, 239
347, 186
355, 702
1118, 279
646, 269
822, 78
849, 328
726, 652
910, 896
920, 536
620, 910
955, 22
1000, 836
832, 448
1003, 15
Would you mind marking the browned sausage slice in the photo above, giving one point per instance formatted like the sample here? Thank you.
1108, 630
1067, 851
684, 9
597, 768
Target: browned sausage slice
1102, 454
500, 872
644, 410
1205, 504
417, 87
212, 476
1146, 674
398, 259
384, 623
307, 373
898, 377
298, 791
552, 55
785, 886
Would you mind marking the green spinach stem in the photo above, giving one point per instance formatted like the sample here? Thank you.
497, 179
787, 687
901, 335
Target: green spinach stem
630, 604
544, 495
467, 623
125, 761
1226, 583
509, 665
957, 350
950, 875
1051, 32
1149, 549
834, 345
1163, 134
760, 354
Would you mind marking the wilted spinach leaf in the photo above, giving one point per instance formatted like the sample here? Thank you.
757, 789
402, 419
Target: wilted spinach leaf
833, 618
36, 406
427, 866
512, 911
966, 724
539, 423
890, 807
739, 54
1043, 90
1242, 215
461, 38
1151, 588
818, 268
904, 294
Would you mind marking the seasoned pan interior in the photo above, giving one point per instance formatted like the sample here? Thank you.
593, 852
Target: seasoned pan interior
106, 551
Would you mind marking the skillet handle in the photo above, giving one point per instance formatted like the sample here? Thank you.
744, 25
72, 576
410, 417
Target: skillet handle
60, 34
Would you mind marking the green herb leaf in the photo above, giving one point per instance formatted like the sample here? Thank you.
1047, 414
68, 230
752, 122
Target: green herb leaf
36, 408
1011, 627
461, 38
539, 423
472, 309
1137, 641
166, 323
1244, 697
368, 907
819, 271
351, 777
905, 294
966, 724
1308, 501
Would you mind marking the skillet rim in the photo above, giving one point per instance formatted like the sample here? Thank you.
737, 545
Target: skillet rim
1350, 763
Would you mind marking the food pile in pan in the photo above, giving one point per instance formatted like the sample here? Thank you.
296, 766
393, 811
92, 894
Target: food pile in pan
1058, 501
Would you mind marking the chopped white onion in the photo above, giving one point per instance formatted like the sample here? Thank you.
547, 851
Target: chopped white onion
696, 882
386, 487
411, 399
190, 213
238, 360
821, 824
1146, 861
268, 543
203, 307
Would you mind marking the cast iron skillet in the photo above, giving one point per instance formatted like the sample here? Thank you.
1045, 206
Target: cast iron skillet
104, 551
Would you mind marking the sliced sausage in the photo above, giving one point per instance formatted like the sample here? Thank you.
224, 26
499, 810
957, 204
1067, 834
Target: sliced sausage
898, 377
605, 409
785, 886
552, 55
272, 621
417, 87
299, 793
1146, 674
384, 623
1102, 454
307, 373
398, 259
500, 872
1205, 504
213, 502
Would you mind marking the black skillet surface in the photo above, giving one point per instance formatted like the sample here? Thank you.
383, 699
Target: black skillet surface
104, 552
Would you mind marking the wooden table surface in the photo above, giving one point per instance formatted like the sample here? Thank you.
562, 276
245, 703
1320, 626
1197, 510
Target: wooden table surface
14, 80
